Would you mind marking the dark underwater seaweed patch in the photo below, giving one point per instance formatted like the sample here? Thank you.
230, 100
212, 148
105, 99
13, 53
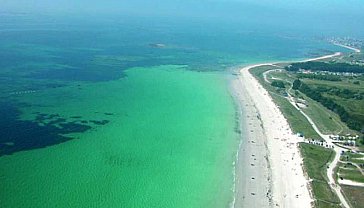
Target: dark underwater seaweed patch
103, 122
46, 130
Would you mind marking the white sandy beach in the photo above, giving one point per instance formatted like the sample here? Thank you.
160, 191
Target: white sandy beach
270, 173
252, 172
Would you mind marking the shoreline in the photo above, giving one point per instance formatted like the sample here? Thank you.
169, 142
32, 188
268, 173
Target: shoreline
356, 50
252, 173
269, 167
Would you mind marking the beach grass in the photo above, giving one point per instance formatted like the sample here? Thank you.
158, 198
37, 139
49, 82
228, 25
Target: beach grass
316, 159
323, 204
327, 121
346, 83
282, 75
351, 157
354, 195
297, 121
348, 168
350, 172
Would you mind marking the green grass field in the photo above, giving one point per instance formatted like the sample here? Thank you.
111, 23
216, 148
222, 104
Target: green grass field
351, 173
354, 158
315, 161
354, 195
282, 75
327, 121
345, 83
353, 106
348, 170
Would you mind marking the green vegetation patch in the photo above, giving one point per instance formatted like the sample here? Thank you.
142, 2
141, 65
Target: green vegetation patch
282, 75
278, 83
323, 204
346, 83
315, 162
331, 104
327, 121
354, 195
319, 77
323, 66
350, 172
337, 86
296, 120
353, 158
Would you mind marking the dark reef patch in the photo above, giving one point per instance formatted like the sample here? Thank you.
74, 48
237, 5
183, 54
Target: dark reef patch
103, 122
46, 130
79, 74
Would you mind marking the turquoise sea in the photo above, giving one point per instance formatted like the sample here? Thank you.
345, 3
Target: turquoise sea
126, 111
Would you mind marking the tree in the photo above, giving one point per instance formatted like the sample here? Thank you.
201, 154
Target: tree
296, 84
279, 84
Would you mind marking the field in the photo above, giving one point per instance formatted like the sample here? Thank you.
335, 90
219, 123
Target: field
354, 195
315, 161
345, 93
327, 121
350, 168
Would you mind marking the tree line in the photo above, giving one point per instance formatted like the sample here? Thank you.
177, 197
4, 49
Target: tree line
343, 93
328, 103
323, 66
320, 77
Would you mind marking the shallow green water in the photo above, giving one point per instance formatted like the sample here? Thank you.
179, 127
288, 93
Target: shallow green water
169, 142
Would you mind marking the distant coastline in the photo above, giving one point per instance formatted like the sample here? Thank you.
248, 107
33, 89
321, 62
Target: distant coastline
356, 50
